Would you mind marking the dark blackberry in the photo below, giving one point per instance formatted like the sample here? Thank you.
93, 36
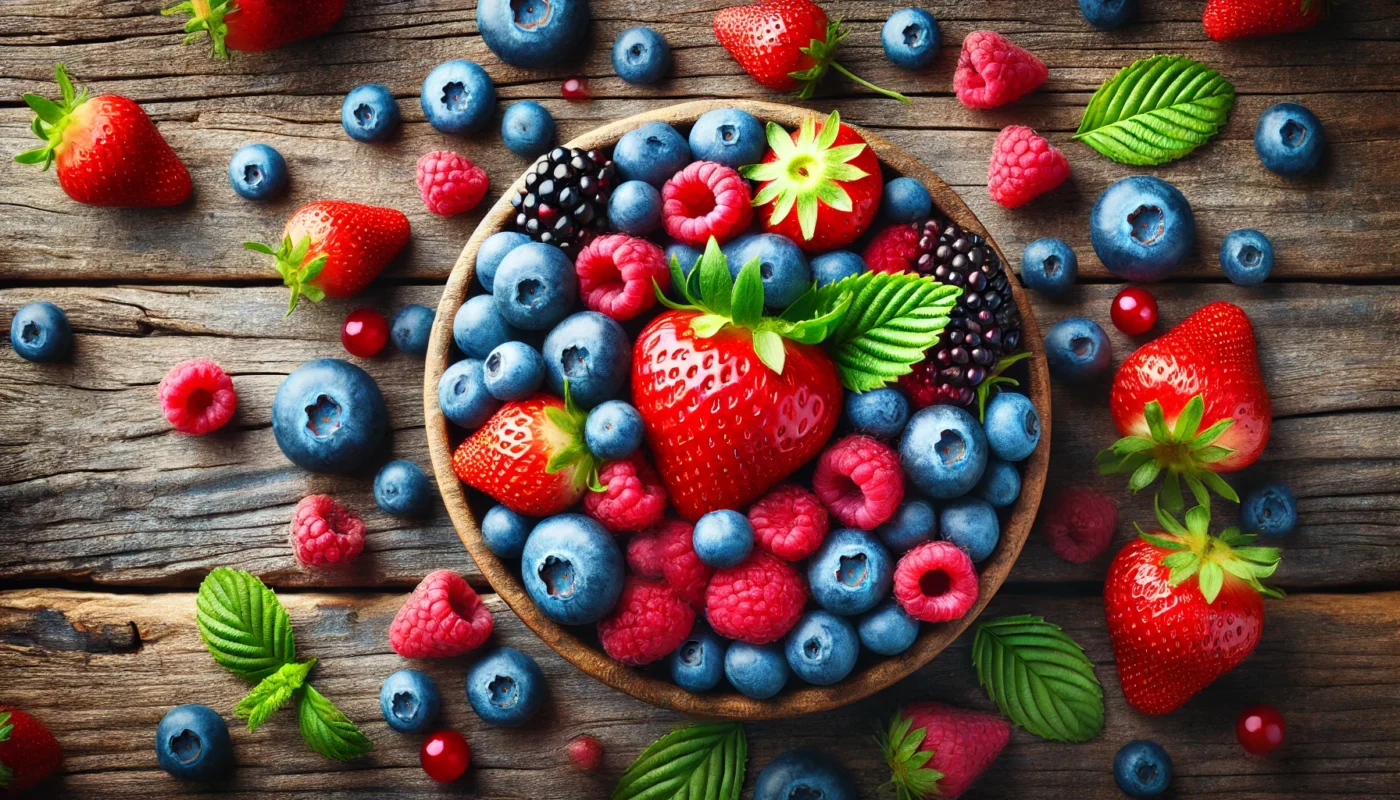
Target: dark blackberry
565, 198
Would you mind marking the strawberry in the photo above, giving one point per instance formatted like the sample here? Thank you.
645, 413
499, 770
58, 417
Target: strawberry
254, 25
787, 45
28, 752
1184, 608
108, 151
821, 185
1236, 19
331, 248
1191, 404
935, 750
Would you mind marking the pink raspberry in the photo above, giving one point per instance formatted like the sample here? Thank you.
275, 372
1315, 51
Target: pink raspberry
633, 497
648, 622
993, 72
450, 184
894, 249
860, 480
935, 582
706, 199
443, 618
756, 602
683, 570
789, 522
197, 397
585, 753
1081, 523
1024, 166
644, 555
615, 275
326, 534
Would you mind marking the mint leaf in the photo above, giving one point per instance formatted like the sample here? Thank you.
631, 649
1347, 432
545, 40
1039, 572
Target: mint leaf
892, 319
243, 624
326, 730
701, 762
1039, 678
1156, 110
272, 693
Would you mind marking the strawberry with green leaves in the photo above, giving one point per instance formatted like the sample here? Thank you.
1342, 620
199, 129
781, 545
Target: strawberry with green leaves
256, 25
1224, 20
28, 752
936, 751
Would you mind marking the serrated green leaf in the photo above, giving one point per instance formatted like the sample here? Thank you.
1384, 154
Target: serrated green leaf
272, 693
1156, 110
701, 762
326, 730
1039, 678
243, 624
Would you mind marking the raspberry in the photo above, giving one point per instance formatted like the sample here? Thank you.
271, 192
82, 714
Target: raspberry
789, 522
756, 602
633, 499
993, 72
585, 753
1024, 166
615, 275
860, 480
893, 249
443, 618
644, 555
197, 397
935, 582
325, 533
450, 184
706, 199
648, 622
1079, 526
683, 570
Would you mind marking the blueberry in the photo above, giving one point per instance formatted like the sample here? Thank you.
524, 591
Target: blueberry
821, 649
505, 531
804, 775
257, 172
756, 671
1270, 510
972, 525
836, 266
613, 430
328, 416
513, 371
913, 523
698, 664
463, 397
458, 96
369, 113
1000, 484
1077, 350
478, 327
1142, 769
684, 254
1247, 257
887, 629
943, 452
192, 744
728, 136
641, 56
652, 153
910, 38
593, 353
1289, 139
40, 332
635, 208
882, 413
783, 265
1108, 14
402, 489
505, 687
1012, 426
572, 569
492, 252
850, 573
723, 539
532, 34
905, 200
409, 701
1142, 228
413, 326
535, 286
527, 128
1049, 266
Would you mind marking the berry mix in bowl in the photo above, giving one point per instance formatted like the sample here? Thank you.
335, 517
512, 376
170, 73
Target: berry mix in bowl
738, 408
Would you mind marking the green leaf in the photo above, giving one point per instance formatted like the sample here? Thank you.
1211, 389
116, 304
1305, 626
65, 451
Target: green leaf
1156, 110
701, 762
909, 775
6, 727
243, 624
1211, 578
272, 693
746, 302
1039, 678
716, 286
770, 349
1189, 420
1143, 476
326, 730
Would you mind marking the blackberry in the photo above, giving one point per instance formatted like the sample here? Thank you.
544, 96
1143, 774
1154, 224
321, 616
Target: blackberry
565, 198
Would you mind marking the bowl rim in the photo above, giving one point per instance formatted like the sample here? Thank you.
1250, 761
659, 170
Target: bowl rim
791, 702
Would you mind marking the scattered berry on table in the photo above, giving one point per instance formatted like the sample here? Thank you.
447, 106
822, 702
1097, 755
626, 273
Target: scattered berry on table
1260, 729
196, 396
913, 523
1289, 138
409, 701
822, 648
513, 371
881, 413
412, 328
783, 266
533, 35
756, 671
528, 129
935, 582
564, 201
1246, 257
644, 556
1012, 426
652, 153
756, 602
910, 38
649, 621
1269, 510
1023, 167
329, 416
529, 455
1080, 523
585, 753
835, 266
972, 525
458, 97
534, 287
258, 26
29, 753
618, 273
575, 90
943, 451
953, 743
1224, 20
443, 618
1108, 14
505, 531
1049, 266
40, 332
1000, 484
478, 327
364, 332
450, 184
887, 629
492, 252
802, 774
1077, 350
613, 430
1134, 311
369, 113
401, 488
632, 499
257, 172
445, 756
681, 567
698, 664
905, 201
572, 569
463, 396
705, 200
992, 71
859, 480
192, 744
641, 56
851, 573
728, 136
1142, 769
505, 687
593, 353
789, 521
635, 208
1142, 228
723, 538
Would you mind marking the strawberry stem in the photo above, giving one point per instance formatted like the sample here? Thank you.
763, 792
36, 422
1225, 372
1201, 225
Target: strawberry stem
867, 84
823, 55
298, 268
1193, 552
1183, 454
206, 17
51, 118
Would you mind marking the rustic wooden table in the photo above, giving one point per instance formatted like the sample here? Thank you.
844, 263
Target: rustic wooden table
108, 519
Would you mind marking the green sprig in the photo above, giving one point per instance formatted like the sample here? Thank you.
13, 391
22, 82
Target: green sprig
701, 762
1039, 677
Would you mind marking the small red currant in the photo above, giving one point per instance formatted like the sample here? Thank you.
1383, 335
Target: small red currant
575, 90
585, 753
1260, 729
1134, 311
365, 332
445, 756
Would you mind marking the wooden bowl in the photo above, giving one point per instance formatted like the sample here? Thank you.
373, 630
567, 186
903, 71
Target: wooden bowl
797, 699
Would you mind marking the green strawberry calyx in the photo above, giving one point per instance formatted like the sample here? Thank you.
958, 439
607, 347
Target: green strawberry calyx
206, 16
823, 55
1183, 453
910, 776
570, 420
52, 119
298, 272
806, 172
1196, 553
6, 727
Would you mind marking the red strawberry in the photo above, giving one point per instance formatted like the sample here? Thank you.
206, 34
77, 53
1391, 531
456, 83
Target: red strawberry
821, 185
1184, 608
331, 248
1236, 19
254, 25
1191, 404
108, 151
28, 752
935, 750
787, 45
